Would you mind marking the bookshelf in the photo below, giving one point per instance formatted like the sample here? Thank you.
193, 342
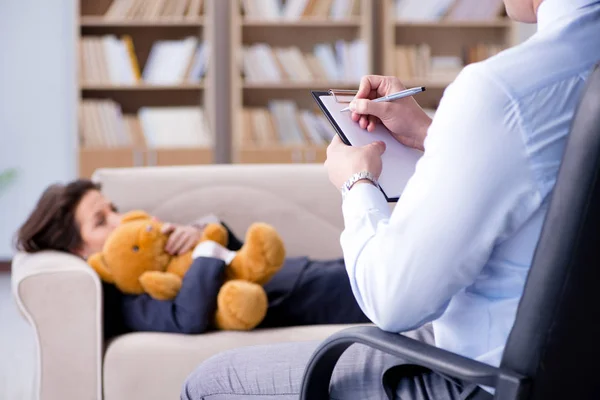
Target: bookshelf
281, 52
144, 83
158, 79
427, 42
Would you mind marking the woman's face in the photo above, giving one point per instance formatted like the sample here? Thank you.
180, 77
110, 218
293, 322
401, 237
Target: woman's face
96, 217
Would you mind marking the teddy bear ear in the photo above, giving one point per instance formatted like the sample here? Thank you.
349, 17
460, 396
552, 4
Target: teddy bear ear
98, 264
135, 216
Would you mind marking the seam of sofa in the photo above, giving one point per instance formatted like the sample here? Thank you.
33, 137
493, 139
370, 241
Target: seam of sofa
28, 317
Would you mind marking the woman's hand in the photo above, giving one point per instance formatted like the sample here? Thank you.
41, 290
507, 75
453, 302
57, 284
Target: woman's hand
182, 238
404, 117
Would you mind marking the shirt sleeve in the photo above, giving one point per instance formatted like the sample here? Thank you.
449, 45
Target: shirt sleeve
190, 312
471, 188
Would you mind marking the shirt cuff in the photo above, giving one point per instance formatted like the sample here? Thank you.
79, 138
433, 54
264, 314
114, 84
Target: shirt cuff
201, 223
363, 198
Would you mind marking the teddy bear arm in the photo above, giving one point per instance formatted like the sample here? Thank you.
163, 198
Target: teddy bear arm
96, 261
216, 233
241, 306
161, 285
179, 265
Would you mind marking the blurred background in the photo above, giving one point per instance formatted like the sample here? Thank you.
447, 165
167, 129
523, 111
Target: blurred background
116, 83
119, 83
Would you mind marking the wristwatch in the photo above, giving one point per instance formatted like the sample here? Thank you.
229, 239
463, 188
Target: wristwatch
355, 178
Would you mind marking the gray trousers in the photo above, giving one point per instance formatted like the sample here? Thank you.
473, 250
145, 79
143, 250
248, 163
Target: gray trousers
274, 372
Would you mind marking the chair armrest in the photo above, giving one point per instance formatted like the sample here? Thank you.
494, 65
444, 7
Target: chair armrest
317, 375
61, 298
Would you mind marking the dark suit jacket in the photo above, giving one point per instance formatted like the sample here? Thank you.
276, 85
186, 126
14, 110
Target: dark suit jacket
303, 292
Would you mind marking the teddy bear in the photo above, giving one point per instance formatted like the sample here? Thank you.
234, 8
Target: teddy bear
134, 260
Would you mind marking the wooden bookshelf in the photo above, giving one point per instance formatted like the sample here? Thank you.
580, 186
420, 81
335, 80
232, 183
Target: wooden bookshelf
444, 38
303, 33
226, 92
144, 31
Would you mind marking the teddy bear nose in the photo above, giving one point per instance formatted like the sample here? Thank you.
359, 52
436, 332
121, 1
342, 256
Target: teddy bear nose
149, 228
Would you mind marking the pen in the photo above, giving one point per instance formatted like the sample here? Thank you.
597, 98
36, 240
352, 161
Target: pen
396, 96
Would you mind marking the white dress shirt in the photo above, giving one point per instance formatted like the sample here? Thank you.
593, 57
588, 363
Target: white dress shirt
457, 248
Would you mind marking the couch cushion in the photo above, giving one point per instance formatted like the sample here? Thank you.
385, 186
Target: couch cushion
154, 365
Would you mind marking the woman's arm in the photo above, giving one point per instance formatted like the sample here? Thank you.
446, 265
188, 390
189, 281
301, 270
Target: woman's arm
190, 312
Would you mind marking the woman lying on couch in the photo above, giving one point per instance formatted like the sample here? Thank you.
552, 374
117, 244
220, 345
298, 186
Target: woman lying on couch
77, 218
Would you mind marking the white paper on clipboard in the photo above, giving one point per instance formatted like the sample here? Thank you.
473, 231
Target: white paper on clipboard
398, 160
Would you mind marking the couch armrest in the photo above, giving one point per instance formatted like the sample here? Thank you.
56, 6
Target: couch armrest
61, 298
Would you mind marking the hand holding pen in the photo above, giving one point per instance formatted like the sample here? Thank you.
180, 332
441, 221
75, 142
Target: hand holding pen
403, 117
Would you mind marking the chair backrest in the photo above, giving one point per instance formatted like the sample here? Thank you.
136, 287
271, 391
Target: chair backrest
556, 336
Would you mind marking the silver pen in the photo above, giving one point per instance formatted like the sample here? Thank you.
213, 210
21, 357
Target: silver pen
395, 96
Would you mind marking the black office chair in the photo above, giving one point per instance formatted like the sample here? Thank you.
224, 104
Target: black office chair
553, 351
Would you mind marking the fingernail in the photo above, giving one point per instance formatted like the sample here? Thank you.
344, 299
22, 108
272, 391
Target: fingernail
352, 105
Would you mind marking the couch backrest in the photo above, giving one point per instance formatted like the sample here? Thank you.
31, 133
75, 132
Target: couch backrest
298, 200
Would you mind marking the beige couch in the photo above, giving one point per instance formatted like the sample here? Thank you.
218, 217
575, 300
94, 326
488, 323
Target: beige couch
61, 297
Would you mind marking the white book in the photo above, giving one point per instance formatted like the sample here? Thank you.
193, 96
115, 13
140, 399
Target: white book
293, 9
174, 127
313, 128
168, 61
263, 58
327, 58
339, 9
199, 63
270, 9
286, 123
325, 128
359, 60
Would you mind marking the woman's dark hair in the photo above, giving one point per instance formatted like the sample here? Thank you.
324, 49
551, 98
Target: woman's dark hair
52, 225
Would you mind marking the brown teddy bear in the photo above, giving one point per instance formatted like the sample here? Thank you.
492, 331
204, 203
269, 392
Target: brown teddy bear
134, 260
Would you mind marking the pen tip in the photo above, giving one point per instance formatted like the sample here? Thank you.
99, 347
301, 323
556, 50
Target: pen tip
423, 88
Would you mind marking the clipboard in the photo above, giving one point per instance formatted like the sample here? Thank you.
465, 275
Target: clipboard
399, 161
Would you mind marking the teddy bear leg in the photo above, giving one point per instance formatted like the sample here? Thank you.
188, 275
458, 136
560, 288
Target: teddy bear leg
261, 256
216, 233
241, 306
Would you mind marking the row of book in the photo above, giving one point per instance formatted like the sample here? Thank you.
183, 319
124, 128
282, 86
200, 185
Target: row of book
299, 9
341, 61
450, 10
102, 124
111, 60
283, 123
153, 9
416, 61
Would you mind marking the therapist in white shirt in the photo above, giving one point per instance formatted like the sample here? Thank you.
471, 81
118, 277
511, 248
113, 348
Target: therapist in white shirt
450, 262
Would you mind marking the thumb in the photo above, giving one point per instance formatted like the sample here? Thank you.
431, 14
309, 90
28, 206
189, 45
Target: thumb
368, 107
167, 228
378, 147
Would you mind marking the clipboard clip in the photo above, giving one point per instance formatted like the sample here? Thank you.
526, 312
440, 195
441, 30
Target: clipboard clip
343, 95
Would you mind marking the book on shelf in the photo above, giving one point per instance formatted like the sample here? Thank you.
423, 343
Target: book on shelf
174, 127
176, 61
282, 123
111, 60
451, 10
154, 9
417, 62
293, 10
341, 61
475, 10
102, 124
